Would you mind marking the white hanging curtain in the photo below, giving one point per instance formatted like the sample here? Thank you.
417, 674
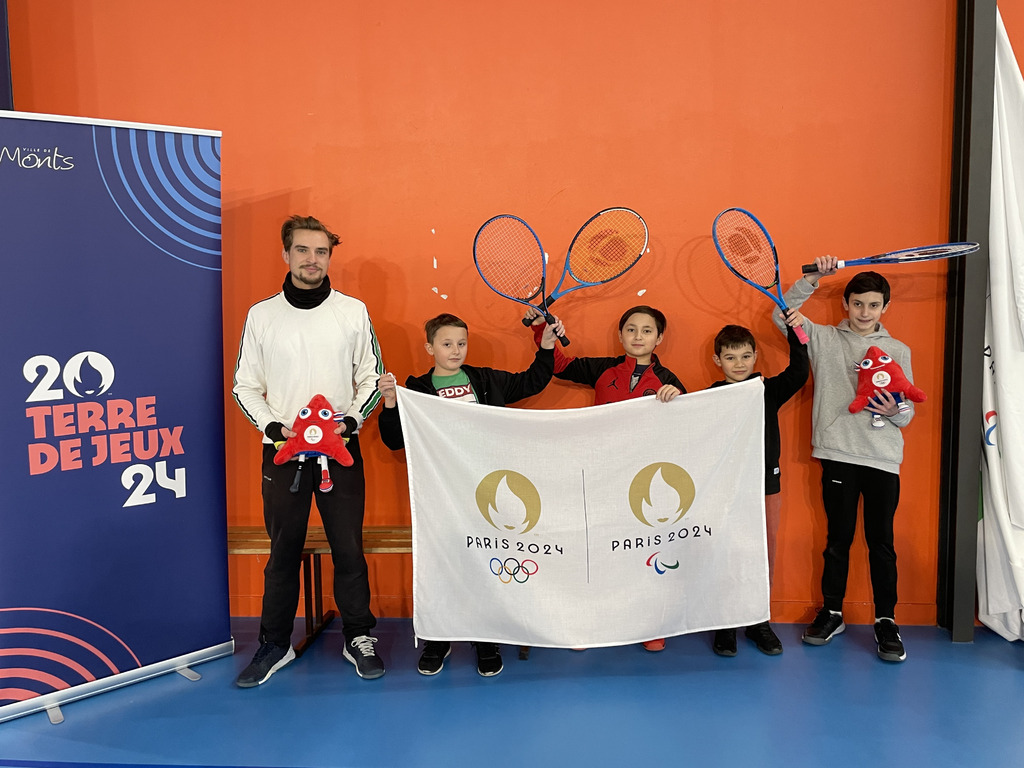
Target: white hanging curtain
1001, 528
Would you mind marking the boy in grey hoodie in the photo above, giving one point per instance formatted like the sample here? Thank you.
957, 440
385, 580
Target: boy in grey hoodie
856, 459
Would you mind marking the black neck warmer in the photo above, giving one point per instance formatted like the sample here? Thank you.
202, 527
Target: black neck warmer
306, 299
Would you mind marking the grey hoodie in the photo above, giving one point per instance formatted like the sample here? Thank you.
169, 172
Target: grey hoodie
836, 352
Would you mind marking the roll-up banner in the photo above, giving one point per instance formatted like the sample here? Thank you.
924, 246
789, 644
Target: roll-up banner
113, 564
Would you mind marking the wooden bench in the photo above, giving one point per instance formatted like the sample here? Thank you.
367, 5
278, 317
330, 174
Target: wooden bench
253, 540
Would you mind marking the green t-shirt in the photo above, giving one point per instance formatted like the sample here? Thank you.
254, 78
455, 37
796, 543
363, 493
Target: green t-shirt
455, 387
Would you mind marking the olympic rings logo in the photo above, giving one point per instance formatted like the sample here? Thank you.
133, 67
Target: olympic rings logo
510, 569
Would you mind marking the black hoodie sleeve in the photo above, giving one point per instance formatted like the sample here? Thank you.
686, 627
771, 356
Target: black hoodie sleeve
782, 387
389, 421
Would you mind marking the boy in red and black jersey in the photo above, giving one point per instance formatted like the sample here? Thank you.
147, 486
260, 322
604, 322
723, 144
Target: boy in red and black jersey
637, 373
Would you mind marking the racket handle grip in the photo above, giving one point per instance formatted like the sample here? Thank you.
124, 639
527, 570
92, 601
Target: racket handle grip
801, 334
563, 340
810, 269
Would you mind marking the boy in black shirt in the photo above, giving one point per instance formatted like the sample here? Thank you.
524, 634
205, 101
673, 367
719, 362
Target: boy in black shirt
736, 354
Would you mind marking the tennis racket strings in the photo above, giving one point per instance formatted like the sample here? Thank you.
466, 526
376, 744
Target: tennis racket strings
510, 259
607, 246
746, 248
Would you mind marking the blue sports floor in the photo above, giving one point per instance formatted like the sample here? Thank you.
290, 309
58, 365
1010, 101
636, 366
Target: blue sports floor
836, 705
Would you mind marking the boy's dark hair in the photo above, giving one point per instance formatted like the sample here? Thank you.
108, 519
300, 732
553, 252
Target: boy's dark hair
643, 309
734, 337
434, 324
293, 223
864, 282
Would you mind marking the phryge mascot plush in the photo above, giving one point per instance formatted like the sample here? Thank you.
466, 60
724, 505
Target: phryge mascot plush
314, 436
879, 371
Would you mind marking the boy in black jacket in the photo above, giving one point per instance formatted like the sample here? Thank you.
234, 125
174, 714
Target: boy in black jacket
448, 343
736, 354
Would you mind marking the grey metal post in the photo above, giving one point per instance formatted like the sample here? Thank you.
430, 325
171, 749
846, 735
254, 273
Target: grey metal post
965, 318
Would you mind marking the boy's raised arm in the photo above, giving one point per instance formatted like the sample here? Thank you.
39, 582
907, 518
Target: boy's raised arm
802, 289
795, 375
550, 333
540, 330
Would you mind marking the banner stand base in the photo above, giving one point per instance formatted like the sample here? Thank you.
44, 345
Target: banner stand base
189, 674
51, 702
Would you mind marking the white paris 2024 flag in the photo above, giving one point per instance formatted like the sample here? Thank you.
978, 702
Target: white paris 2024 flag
594, 526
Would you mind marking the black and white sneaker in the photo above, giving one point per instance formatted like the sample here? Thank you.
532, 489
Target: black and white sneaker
825, 626
360, 651
267, 660
488, 659
433, 656
890, 644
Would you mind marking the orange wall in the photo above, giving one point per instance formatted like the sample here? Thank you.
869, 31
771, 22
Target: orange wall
405, 125
1012, 12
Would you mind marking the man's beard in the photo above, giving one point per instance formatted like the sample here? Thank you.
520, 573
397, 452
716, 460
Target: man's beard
306, 280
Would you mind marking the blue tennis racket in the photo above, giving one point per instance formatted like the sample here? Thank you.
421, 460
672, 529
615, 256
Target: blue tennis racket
510, 259
906, 256
748, 251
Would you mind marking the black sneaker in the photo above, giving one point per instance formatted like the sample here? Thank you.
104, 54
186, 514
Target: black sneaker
725, 642
890, 645
488, 659
433, 656
764, 638
825, 626
359, 650
268, 659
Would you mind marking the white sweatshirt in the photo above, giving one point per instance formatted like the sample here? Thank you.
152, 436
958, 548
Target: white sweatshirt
287, 355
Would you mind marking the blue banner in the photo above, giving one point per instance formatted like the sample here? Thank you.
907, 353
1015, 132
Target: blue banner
113, 515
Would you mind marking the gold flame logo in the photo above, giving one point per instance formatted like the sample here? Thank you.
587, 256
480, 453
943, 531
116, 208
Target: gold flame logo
508, 501
661, 492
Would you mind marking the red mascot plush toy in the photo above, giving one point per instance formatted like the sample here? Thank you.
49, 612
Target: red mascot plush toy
314, 436
879, 371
